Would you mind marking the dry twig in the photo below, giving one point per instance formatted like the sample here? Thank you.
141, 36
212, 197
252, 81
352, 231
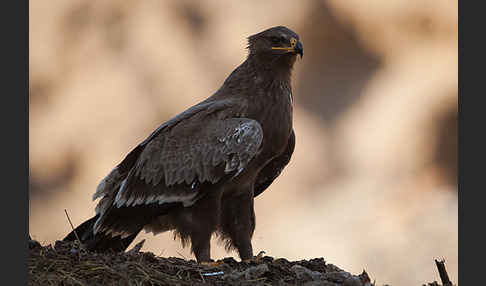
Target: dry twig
77, 237
444, 277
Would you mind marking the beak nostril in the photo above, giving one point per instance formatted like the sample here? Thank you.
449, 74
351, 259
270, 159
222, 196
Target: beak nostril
293, 42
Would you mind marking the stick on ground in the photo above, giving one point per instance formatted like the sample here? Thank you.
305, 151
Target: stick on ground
444, 277
77, 237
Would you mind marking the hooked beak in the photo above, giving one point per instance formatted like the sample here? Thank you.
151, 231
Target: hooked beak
299, 49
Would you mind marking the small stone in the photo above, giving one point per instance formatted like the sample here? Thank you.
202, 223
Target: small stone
337, 276
303, 273
253, 272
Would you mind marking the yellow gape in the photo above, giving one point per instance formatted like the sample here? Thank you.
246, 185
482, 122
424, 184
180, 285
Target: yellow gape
293, 43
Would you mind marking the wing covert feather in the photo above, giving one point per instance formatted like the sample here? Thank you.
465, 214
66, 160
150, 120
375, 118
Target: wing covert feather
189, 155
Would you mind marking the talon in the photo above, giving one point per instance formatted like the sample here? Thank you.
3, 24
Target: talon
255, 258
260, 255
212, 263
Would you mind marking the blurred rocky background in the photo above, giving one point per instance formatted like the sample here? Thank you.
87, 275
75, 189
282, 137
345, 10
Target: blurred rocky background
373, 180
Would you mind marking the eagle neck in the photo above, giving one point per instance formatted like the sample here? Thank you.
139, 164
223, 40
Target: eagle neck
255, 79
272, 69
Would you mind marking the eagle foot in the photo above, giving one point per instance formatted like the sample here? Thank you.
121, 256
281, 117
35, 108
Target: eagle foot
212, 263
255, 259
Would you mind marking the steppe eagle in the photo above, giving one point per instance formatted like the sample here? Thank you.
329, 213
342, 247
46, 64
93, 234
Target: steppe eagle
198, 173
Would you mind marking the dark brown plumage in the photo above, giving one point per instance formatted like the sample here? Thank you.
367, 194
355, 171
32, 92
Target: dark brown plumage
198, 173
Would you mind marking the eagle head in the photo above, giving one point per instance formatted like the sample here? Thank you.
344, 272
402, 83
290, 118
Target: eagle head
276, 42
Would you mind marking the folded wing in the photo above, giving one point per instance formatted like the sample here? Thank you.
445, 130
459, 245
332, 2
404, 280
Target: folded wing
175, 164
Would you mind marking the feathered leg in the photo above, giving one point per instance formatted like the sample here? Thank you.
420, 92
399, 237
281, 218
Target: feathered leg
198, 223
239, 223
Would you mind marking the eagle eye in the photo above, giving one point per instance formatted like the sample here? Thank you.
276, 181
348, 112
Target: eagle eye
275, 40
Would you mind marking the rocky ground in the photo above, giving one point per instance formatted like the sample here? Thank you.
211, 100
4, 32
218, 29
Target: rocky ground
65, 263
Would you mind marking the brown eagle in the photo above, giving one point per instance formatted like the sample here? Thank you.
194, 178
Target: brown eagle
198, 173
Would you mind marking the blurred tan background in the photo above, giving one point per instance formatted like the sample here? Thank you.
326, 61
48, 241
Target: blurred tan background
372, 183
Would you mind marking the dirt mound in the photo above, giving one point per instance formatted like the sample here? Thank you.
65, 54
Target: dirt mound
66, 264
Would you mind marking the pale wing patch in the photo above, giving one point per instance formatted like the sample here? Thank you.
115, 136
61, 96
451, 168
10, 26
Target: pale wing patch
246, 138
186, 200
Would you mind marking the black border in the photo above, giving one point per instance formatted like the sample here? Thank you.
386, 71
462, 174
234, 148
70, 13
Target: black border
15, 146
460, 158
471, 206
472, 275
462, 279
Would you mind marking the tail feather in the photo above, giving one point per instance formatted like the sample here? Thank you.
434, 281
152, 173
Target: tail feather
99, 242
